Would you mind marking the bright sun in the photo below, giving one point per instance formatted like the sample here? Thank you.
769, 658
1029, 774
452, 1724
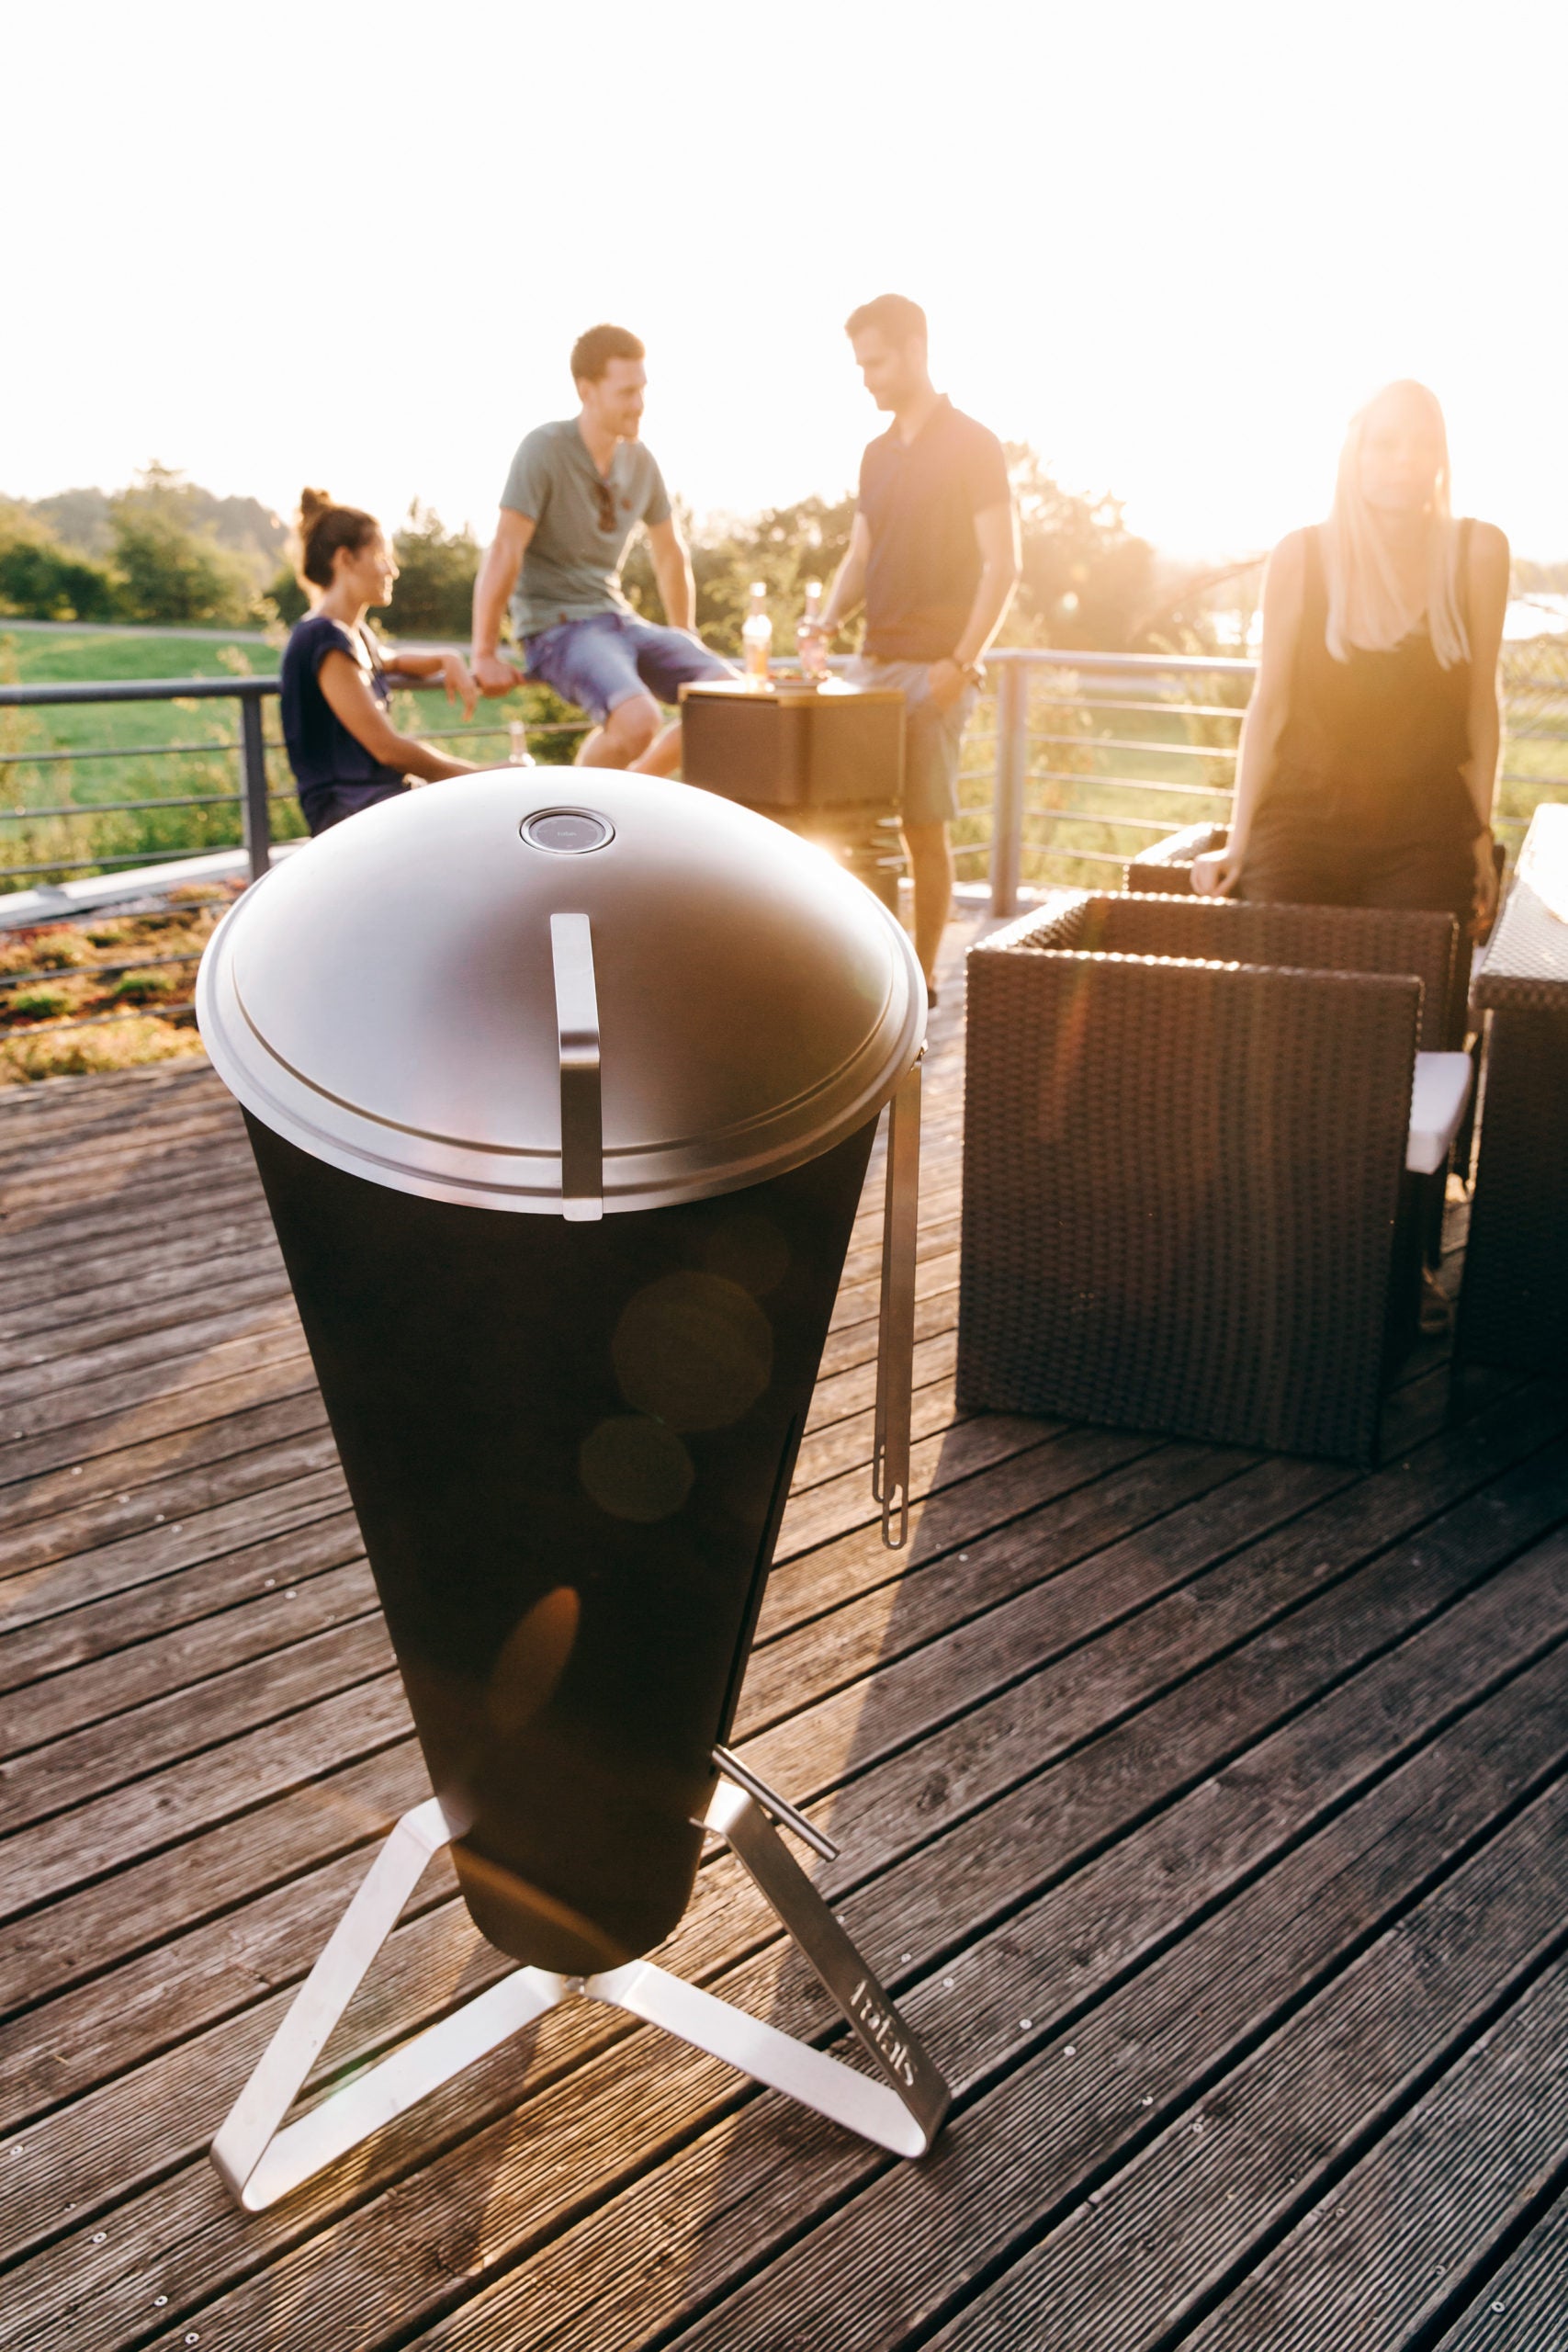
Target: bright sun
1172, 252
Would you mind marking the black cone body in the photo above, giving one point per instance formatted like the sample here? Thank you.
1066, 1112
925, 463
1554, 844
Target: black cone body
568, 1445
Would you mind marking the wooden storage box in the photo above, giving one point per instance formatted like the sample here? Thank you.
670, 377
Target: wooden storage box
789, 745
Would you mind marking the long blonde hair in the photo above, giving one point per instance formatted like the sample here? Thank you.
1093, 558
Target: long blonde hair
1368, 611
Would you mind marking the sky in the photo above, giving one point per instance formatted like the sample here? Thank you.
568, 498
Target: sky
1171, 248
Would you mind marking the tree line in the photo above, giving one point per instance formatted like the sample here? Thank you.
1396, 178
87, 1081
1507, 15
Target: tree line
163, 551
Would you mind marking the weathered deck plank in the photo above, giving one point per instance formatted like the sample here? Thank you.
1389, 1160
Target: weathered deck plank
1246, 1778
1524, 2302
1222, 2177
1383, 2257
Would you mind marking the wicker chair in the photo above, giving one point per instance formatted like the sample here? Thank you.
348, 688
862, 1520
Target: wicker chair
1168, 866
1185, 1132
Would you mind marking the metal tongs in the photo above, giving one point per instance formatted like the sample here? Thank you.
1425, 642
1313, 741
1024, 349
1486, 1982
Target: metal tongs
896, 1334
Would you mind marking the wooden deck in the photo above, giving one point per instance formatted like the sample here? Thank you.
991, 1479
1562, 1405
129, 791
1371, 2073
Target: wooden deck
1208, 1812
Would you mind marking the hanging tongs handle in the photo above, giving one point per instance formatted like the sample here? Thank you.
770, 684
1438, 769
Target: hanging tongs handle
581, 1106
895, 1337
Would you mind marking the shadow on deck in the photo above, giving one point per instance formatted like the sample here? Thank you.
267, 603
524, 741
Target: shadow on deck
1208, 1812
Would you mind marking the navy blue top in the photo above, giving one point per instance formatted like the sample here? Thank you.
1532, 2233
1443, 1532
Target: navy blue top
919, 499
322, 751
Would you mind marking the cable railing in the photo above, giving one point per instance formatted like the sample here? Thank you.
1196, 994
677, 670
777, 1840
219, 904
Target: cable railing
253, 803
1096, 752
184, 853
251, 799
1076, 761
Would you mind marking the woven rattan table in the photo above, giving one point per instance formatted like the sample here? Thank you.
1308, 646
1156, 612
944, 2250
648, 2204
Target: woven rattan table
1514, 1305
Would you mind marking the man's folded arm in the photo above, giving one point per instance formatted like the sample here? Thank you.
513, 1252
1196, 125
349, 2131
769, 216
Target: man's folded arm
497, 578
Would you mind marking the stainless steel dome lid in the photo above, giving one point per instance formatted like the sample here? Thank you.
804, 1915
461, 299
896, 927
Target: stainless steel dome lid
409, 996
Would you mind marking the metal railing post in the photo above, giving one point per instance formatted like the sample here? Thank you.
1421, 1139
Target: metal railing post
1012, 770
252, 779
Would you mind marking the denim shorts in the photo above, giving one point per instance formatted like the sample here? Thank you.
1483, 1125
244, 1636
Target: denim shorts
607, 659
933, 738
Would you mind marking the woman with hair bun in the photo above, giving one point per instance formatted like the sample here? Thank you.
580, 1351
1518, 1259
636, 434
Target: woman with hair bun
1368, 755
343, 749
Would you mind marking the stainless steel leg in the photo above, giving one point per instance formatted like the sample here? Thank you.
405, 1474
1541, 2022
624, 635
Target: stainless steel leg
764, 2052
893, 2046
895, 1337
260, 2157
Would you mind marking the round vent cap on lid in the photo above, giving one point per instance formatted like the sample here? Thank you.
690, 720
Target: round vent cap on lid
391, 996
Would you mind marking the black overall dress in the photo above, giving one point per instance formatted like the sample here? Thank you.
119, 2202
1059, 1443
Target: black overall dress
1368, 805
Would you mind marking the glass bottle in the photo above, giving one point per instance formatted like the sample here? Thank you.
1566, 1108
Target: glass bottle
756, 635
809, 643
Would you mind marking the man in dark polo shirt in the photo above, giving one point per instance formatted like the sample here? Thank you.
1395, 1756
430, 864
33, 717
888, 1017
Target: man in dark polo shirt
934, 557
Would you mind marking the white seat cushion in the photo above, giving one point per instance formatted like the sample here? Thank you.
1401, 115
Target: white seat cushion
1436, 1106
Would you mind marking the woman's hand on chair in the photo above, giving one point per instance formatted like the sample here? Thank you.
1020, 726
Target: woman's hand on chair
1216, 873
460, 683
1485, 901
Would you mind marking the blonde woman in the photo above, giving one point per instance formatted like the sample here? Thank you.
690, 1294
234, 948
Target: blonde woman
1369, 753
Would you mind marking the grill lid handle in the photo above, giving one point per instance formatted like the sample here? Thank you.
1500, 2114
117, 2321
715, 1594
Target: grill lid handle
581, 1100
896, 1336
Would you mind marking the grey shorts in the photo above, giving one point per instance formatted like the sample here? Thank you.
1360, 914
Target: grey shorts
611, 658
932, 738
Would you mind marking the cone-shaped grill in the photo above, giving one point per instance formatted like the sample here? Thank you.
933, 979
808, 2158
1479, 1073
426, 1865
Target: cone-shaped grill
563, 1105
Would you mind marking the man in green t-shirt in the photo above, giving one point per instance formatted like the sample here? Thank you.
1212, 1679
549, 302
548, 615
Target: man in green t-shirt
576, 491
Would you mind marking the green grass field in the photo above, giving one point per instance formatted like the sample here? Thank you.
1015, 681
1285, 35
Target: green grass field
182, 752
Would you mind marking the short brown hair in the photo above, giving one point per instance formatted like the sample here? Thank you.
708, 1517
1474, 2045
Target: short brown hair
321, 529
893, 315
592, 352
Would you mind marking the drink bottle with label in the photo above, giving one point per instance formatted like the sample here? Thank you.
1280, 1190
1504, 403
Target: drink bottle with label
810, 644
756, 635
